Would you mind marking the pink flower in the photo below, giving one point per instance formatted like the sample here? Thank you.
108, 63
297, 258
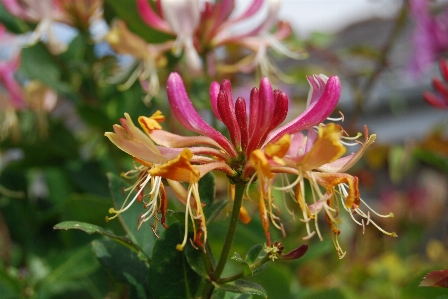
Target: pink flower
9, 67
440, 98
257, 142
430, 37
200, 31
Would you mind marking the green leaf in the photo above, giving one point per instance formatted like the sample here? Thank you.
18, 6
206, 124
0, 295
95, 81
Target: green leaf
170, 276
95, 229
255, 253
207, 189
127, 10
64, 267
123, 265
37, 63
242, 287
213, 211
10, 22
433, 158
143, 237
246, 269
196, 260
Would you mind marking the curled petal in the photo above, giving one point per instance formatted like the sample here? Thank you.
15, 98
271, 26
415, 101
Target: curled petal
133, 141
331, 180
316, 113
184, 112
345, 163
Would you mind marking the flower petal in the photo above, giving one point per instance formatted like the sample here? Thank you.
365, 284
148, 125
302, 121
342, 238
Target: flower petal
316, 113
178, 169
183, 110
151, 18
133, 141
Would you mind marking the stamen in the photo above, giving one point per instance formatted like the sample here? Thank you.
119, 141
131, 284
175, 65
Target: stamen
309, 236
377, 214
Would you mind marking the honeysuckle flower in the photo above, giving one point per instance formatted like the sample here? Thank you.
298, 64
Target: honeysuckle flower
180, 18
45, 12
430, 37
155, 164
319, 159
257, 141
149, 57
202, 29
440, 99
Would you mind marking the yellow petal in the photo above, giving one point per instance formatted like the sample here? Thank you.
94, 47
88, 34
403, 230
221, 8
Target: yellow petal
261, 164
151, 123
326, 149
178, 169
278, 148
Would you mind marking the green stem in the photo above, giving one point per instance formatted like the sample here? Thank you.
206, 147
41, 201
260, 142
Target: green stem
239, 191
241, 274
215, 275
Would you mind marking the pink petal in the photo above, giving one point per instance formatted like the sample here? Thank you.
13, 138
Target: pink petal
316, 113
151, 18
214, 90
264, 114
185, 113
226, 109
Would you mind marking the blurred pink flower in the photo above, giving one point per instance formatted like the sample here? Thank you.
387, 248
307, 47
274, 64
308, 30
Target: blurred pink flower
200, 31
430, 37
440, 98
8, 68
44, 12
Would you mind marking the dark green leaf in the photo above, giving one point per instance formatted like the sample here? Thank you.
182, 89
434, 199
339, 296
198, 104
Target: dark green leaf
246, 269
242, 287
124, 265
37, 63
95, 229
170, 275
254, 254
213, 211
11, 23
196, 259
127, 10
207, 190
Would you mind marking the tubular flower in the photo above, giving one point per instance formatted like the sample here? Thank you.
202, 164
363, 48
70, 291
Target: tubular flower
318, 158
154, 165
45, 12
430, 36
202, 29
150, 57
257, 143
439, 100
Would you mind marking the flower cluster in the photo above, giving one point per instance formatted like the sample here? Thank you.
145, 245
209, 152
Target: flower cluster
201, 32
258, 147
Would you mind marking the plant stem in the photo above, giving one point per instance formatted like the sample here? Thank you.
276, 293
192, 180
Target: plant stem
215, 275
239, 191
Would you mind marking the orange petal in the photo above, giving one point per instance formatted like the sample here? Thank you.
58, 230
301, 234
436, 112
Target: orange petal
331, 180
326, 149
178, 169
